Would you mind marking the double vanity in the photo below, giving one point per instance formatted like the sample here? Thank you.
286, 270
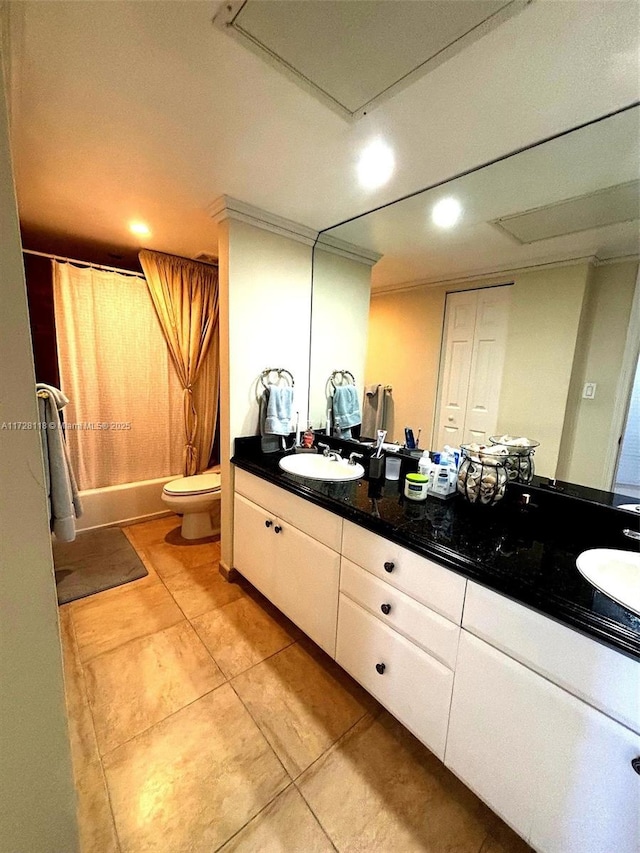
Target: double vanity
474, 628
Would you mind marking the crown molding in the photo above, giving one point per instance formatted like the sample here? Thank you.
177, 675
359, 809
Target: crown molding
331, 244
490, 276
227, 207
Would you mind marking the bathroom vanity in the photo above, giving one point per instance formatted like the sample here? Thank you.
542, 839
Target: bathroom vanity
474, 628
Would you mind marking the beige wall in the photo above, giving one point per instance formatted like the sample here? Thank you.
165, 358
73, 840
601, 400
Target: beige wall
587, 438
543, 366
543, 327
340, 320
405, 333
265, 313
36, 785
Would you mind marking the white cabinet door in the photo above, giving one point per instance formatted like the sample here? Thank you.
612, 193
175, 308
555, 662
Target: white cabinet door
558, 771
590, 800
254, 544
306, 584
496, 731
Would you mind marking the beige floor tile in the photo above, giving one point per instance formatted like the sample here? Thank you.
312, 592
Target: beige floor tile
301, 705
95, 821
379, 789
84, 749
240, 634
201, 588
149, 532
175, 554
142, 682
285, 826
106, 621
193, 780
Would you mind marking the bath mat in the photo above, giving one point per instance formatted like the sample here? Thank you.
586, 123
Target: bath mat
96, 560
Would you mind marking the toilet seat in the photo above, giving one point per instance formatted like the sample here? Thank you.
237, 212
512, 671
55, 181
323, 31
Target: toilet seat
197, 484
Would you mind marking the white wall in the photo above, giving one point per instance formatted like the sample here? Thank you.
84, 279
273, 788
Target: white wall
340, 323
265, 314
37, 812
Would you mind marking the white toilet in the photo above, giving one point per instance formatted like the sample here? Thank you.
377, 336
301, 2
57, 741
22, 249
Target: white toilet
194, 498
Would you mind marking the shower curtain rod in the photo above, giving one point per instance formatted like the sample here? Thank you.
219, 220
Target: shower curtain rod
83, 263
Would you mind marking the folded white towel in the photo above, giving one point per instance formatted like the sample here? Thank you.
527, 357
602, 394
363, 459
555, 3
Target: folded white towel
279, 410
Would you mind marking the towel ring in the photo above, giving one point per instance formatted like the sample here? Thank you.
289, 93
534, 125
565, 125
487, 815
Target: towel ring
344, 374
282, 373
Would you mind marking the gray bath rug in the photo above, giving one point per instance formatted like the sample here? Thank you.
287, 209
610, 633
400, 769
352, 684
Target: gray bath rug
96, 560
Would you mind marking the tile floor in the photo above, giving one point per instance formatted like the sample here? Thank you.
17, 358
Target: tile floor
201, 720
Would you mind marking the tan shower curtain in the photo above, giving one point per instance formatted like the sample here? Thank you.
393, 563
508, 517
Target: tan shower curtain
185, 296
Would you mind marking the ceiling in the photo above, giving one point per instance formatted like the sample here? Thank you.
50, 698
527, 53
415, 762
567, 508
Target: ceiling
570, 198
146, 110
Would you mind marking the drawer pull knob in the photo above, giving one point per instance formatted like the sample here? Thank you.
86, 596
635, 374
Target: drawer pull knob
389, 567
268, 523
635, 763
380, 668
386, 609
277, 528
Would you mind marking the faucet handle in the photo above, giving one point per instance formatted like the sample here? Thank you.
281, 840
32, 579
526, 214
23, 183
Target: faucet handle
324, 448
353, 457
632, 534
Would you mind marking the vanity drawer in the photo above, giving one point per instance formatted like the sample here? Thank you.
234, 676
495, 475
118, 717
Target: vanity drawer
600, 676
413, 686
422, 579
432, 632
319, 523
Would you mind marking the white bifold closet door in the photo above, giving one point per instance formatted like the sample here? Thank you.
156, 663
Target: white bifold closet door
472, 360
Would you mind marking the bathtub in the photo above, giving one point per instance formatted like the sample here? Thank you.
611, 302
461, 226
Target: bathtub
127, 502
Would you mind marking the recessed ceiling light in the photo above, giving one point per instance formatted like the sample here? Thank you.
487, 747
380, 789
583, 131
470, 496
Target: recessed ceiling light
375, 165
139, 228
446, 212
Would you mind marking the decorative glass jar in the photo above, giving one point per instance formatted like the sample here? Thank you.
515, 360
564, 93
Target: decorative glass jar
520, 467
482, 476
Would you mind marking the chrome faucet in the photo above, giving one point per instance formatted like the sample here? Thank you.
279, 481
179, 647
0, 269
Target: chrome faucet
325, 448
353, 457
632, 534
335, 455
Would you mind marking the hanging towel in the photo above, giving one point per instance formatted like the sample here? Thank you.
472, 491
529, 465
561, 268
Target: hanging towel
346, 408
374, 414
272, 416
62, 491
279, 410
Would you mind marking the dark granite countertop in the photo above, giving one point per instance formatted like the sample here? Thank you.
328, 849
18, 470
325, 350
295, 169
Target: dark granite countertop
526, 554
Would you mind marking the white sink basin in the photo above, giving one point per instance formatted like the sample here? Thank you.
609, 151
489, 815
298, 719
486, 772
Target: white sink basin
317, 467
616, 573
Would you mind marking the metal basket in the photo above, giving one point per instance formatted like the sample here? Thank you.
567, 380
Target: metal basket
519, 461
482, 476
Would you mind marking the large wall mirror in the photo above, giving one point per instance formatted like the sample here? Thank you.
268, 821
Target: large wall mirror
509, 289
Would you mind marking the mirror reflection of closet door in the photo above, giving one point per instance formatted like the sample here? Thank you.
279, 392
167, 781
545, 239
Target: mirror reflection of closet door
473, 352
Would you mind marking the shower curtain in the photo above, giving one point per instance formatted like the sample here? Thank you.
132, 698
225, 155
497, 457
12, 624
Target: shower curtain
125, 419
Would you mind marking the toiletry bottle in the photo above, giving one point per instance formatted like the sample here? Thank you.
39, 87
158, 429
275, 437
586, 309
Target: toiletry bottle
424, 464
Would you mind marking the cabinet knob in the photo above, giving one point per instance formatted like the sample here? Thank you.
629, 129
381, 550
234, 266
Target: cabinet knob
268, 523
635, 763
386, 609
389, 567
277, 528
380, 668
